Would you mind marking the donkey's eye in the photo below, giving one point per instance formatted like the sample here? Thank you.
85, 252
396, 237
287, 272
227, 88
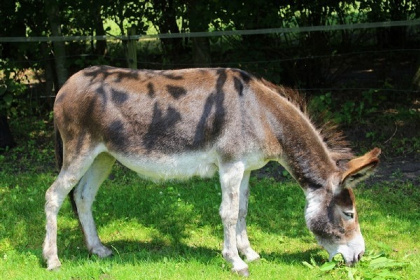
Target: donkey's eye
349, 214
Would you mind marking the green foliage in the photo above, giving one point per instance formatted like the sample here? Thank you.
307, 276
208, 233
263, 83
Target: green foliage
346, 112
11, 90
34, 151
373, 118
372, 266
390, 10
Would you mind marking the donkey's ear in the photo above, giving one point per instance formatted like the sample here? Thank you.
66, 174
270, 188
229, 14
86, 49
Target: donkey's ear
360, 168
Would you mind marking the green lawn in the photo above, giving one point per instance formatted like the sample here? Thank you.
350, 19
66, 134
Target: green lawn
173, 230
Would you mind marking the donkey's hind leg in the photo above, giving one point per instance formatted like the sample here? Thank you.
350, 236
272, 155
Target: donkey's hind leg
84, 195
242, 240
69, 175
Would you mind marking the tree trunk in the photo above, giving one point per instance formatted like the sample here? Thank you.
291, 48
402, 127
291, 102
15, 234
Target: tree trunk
197, 17
101, 46
6, 138
53, 13
49, 70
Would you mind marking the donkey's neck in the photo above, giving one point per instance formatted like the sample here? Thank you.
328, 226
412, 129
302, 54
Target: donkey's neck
304, 154
307, 161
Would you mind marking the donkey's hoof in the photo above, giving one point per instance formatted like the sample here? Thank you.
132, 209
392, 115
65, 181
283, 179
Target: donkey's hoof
244, 272
252, 256
102, 251
53, 264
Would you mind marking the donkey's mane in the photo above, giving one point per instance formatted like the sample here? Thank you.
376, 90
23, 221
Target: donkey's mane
292, 95
332, 136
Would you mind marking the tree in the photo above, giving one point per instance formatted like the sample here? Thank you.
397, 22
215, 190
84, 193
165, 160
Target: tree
164, 15
11, 26
198, 19
393, 10
53, 14
98, 27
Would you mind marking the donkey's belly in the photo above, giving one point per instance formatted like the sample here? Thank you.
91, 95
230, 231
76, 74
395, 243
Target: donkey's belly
179, 166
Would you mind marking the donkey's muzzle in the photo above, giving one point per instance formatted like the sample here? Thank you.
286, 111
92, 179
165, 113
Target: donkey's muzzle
355, 259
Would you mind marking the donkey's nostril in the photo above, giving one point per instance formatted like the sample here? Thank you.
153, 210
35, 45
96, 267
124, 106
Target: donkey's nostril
360, 255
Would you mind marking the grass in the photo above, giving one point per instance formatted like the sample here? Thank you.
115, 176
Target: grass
172, 230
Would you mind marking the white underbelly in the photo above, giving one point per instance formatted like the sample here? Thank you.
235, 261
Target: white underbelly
180, 166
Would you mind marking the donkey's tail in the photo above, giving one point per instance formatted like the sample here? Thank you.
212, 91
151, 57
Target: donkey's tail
58, 148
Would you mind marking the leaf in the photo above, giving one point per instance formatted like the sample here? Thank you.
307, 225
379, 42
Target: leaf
369, 256
386, 274
8, 98
308, 265
328, 266
383, 262
349, 273
3, 89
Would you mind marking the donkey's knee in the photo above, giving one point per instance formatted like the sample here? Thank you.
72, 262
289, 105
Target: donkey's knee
56, 194
228, 215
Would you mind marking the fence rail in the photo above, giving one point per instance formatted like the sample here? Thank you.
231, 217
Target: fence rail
369, 25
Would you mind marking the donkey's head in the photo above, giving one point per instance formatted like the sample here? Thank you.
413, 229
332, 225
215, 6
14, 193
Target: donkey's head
331, 211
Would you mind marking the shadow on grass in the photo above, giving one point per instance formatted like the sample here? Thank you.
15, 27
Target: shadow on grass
174, 207
159, 250
295, 257
133, 252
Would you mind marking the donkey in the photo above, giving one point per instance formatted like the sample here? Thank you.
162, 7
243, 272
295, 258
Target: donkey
176, 124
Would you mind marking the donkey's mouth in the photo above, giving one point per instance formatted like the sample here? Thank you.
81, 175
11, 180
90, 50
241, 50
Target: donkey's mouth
332, 255
349, 261
356, 258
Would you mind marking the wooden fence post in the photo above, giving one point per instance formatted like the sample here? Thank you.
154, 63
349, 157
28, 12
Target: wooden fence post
132, 49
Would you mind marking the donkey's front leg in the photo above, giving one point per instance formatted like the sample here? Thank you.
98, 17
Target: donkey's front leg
241, 233
230, 180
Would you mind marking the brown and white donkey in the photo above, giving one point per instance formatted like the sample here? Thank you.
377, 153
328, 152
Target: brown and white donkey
177, 124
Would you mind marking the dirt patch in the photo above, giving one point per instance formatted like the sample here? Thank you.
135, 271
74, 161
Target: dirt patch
398, 169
